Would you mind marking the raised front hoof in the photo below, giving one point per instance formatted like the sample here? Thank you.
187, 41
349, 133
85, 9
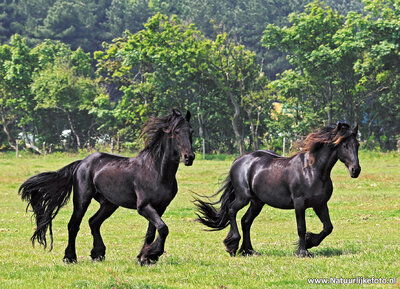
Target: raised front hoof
311, 240
70, 260
301, 253
231, 252
248, 252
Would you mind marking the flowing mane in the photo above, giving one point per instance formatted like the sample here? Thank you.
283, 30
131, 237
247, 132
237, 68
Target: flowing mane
326, 135
330, 135
154, 130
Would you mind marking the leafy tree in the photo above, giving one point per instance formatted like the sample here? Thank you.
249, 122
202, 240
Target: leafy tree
76, 23
320, 44
379, 68
59, 88
171, 64
17, 65
8, 17
123, 15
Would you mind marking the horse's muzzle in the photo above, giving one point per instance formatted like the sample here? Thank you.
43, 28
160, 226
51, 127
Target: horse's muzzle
188, 159
355, 171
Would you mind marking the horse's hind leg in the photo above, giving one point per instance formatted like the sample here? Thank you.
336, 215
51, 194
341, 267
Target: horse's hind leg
232, 240
73, 228
300, 211
83, 192
313, 240
247, 220
106, 210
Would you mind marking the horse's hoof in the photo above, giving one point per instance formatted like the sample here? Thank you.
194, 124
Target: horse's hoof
68, 260
98, 258
249, 253
304, 253
311, 240
145, 261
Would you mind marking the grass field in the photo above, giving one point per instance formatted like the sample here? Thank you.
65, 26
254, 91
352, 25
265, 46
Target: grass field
365, 242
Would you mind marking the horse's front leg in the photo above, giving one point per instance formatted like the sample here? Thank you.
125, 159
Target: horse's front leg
313, 240
150, 252
300, 211
150, 235
148, 239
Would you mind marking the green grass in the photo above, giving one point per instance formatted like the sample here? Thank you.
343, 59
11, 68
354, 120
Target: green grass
365, 242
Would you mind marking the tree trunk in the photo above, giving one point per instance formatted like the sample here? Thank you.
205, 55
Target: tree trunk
253, 128
235, 123
78, 141
235, 119
398, 145
201, 132
118, 143
257, 144
9, 137
355, 114
329, 104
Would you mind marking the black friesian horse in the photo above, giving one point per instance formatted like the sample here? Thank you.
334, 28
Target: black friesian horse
298, 182
146, 183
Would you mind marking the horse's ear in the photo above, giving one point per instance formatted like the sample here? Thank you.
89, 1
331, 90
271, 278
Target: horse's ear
355, 129
188, 115
339, 125
176, 112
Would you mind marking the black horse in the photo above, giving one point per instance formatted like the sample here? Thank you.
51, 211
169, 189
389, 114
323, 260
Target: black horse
298, 182
146, 183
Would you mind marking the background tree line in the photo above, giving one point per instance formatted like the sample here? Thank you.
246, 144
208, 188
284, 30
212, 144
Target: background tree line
251, 74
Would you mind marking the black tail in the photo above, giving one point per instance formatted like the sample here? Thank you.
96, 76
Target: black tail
47, 193
209, 215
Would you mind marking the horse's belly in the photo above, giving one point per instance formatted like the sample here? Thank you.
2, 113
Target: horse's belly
276, 198
125, 199
118, 189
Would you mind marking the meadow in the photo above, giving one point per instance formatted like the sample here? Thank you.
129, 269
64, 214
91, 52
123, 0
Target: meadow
365, 241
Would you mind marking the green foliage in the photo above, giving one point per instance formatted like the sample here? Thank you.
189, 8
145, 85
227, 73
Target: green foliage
364, 212
346, 64
60, 88
342, 64
170, 64
17, 65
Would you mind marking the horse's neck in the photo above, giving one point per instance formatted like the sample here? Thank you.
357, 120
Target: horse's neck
325, 159
169, 162
161, 161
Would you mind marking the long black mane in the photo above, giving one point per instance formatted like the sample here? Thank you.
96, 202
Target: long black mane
155, 129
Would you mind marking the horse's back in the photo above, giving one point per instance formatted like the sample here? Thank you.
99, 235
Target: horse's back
261, 174
108, 176
265, 154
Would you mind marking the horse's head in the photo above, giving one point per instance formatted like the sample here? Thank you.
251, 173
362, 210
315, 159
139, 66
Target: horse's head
348, 148
181, 132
